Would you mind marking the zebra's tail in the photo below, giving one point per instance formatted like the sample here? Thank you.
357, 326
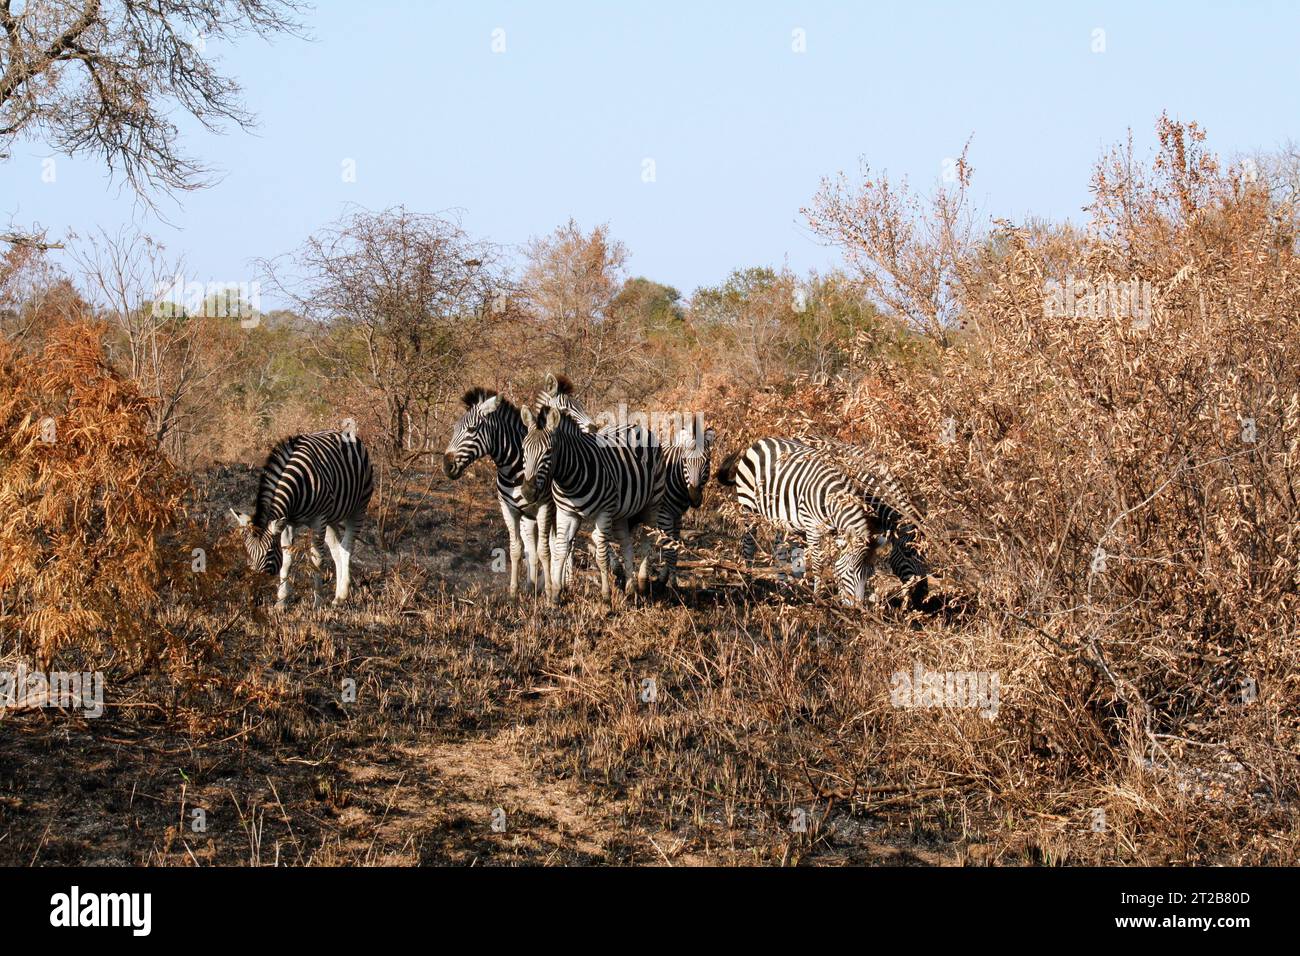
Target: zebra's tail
727, 470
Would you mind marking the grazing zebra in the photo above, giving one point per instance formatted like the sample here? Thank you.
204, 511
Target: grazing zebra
687, 464
321, 481
899, 517
791, 486
491, 426
615, 476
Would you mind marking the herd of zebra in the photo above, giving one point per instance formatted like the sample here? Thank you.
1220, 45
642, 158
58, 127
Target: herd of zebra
556, 468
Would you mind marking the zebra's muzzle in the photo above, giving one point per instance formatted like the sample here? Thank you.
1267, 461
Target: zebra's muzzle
532, 490
449, 466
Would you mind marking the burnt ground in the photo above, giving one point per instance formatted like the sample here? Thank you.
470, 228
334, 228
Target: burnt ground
469, 740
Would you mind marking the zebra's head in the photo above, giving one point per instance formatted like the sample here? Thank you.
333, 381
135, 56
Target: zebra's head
537, 452
695, 462
470, 438
854, 566
557, 394
262, 544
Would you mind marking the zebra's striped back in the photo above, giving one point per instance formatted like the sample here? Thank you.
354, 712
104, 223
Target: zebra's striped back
322, 477
618, 471
322, 481
796, 489
790, 485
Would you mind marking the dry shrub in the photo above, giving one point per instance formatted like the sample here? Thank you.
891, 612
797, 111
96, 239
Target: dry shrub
94, 540
1115, 499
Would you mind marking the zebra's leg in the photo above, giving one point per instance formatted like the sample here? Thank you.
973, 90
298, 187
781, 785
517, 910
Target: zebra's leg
286, 559
667, 547
636, 532
512, 519
317, 532
815, 557
615, 561
545, 538
528, 532
566, 529
333, 541
649, 518
748, 543
628, 534
546, 545
343, 561
600, 538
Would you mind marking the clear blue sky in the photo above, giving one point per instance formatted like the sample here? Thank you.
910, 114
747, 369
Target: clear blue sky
740, 127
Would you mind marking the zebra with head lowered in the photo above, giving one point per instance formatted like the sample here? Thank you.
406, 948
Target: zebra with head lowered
322, 481
899, 516
614, 476
491, 426
687, 466
795, 489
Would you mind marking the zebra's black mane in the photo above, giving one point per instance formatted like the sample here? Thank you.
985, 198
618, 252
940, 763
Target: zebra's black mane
271, 472
475, 395
563, 385
479, 394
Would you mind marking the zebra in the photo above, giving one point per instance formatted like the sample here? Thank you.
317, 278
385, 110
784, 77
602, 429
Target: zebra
794, 488
616, 476
687, 464
899, 516
322, 481
491, 426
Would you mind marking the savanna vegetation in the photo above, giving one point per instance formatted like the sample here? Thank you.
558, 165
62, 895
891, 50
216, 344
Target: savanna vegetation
1111, 519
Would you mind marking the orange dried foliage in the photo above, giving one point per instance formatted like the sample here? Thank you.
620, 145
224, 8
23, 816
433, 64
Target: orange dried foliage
94, 539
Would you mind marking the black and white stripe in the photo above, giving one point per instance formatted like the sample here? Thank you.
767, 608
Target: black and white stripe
322, 481
491, 427
899, 517
686, 463
790, 485
615, 477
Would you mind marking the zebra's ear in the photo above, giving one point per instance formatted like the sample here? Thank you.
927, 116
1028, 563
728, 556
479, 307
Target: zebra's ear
491, 405
241, 518
552, 386
530, 420
276, 526
710, 436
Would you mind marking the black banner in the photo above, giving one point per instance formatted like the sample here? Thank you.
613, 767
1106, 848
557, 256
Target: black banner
977, 906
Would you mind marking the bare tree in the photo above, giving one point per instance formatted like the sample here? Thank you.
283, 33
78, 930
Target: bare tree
911, 264
1279, 172
169, 353
400, 298
105, 77
399, 294
569, 286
